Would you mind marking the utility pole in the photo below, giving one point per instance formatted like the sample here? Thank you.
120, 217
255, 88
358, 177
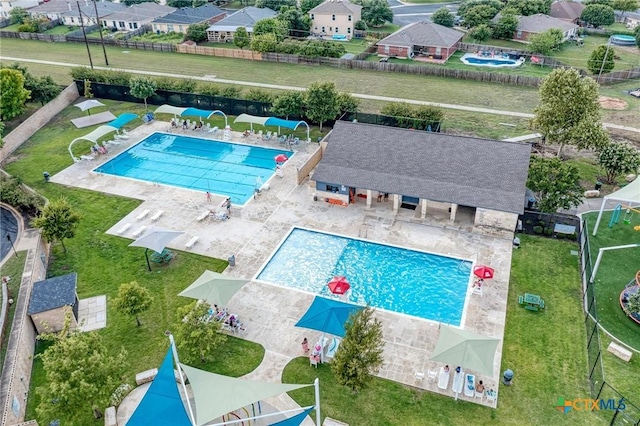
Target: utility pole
606, 54
95, 6
84, 33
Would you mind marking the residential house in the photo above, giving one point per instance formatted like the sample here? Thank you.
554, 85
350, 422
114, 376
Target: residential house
335, 17
630, 19
51, 299
416, 172
6, 6
422, 41
136, 16
539, 23
224, 30
67, 11
180, 20
569, 11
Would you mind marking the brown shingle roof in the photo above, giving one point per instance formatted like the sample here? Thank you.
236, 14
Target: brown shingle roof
567, 10
423, 34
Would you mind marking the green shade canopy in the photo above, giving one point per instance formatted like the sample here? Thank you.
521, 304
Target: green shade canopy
214, 288
216, 395
469, 350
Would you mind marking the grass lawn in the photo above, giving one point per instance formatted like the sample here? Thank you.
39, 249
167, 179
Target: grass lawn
548, 364
590, 172
577, 56
617, 268
12, 268
617, 26
12, 27
103, 262
427, 88
386, 28
60, 29
172, 38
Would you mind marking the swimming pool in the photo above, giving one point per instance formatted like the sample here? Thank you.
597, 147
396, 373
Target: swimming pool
623, 40
229, 169
496, 62
396, 279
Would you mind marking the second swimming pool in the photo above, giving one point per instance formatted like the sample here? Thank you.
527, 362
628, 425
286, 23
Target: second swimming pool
407, 281
229, 169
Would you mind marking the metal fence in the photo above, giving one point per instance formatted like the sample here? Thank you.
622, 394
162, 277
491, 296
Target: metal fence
385, 120
544, 224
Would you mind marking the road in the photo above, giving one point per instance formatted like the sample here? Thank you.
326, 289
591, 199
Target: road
404, 13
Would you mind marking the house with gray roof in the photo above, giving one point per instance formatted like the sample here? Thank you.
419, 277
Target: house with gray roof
224, 30
51, 299
539, 23
68, 11
136, 16
424, 173
423, 41
335, 18
180, 20
569, 11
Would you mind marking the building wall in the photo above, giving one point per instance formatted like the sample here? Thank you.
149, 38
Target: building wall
223, 36
496, 219
524, 35
7, 6
405, 52
182, 28
340, 25
305, 170
52, 320
631, 22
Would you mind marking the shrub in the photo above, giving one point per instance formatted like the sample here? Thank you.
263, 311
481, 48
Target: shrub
13, 193
119, 394
259, 95
231, 92
537, 229
209, 89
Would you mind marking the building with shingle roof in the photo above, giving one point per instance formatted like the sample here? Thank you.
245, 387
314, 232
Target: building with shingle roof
421, 39
68, 11
539, 23
180, 20
567, 10
51, 299
422, 170
136, 16
224, 30
335, 17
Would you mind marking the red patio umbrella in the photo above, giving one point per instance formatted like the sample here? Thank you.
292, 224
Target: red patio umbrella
281, 158
483, 271
339, 285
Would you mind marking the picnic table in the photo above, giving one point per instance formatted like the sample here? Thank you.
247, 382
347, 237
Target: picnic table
532, 302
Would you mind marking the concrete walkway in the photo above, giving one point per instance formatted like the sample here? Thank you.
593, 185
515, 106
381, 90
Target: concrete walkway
295, 88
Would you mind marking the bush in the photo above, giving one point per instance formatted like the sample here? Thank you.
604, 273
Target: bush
13, 193
119, 394
537, 229
209, 89
259, 95
231, 92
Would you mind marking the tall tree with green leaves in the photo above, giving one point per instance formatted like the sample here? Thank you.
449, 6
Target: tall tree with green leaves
376, 12
13, 95
569, 112
347, 103
443, 17
241, 38
598, 15
618, 158
197, 32
359, 356
57, 221
275, 5
307, 5
196, 338
556, 184
81, 373
271, 26
481, 33
288, 104
601, 60
321, 101
506, 26
18, 15
43, 89
546, 42
479, 14
133, 300
142, 88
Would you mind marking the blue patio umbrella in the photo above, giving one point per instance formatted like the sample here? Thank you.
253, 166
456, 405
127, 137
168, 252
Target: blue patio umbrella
327, 316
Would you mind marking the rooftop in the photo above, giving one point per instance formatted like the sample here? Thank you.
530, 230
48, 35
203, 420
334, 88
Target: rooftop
190, 15
338, 7
423, 34
53, 293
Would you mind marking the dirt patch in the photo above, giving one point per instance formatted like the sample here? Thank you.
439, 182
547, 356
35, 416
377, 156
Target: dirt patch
612, 103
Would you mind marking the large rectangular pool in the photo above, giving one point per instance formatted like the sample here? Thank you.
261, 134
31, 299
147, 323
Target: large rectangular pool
229, 169
396, 279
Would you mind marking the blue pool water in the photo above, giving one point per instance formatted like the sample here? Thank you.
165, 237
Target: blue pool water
492, 61
391, 278
229, 169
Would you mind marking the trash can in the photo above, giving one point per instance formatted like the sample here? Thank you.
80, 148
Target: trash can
232, 260
530, 203
507, 376
46, 176
598, 185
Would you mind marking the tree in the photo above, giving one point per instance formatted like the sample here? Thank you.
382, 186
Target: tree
241, 38
18, 15
271, 26
13, 95
598, 15
275, 5
529, 7
196, 338
197, 32
297, 22
183, 3
81, 373
264, 42
133, 299
554, 183
321, 101
360, 26
142, 88
42, 89
618, 158
598, 63
569, 112
359, 356
376, 12
603, 2
545, 43
307, 5
625, 6
287, 104
506, 26
88, 93
481, 33
443, 17
478, 15
495, 5
57, 221
347, 103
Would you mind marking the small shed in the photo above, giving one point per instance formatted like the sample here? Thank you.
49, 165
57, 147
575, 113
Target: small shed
49, 299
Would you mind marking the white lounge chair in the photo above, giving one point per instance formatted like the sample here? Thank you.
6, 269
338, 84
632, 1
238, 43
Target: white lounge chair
479, 395
491, 395
191, 242
458, 383
432, 375
333, 348
139, 231
443, 379
477, 289
203, 215
143, 214
87, 157
214, 130
469, 385
157, 215
124, 229
419, 375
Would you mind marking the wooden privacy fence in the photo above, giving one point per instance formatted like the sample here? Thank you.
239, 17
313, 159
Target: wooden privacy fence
617, 76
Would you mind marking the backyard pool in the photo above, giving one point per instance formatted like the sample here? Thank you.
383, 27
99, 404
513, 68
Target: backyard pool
496, 62
623, 40
396, 279
229, 169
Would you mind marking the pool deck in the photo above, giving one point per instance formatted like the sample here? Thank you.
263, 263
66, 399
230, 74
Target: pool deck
256, 229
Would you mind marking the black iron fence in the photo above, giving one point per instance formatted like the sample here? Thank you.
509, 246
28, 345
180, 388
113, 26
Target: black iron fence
553, 225
385, 120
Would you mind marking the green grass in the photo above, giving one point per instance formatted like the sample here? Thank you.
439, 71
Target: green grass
590, 172
577, 56
172, 38
617, 26
12, 268
617, 268
12, 27
621, 375
103, 262
386, 28
548, 363
60, 29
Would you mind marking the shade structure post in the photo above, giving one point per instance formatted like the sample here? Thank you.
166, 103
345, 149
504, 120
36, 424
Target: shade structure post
146, 255
316, 386
595, 228
184, 387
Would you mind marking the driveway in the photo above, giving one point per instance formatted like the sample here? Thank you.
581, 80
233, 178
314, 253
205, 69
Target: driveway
404, 13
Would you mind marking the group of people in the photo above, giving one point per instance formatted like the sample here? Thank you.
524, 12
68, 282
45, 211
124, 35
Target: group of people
478, 283
97, 149
315, 355
479, 386
185, 124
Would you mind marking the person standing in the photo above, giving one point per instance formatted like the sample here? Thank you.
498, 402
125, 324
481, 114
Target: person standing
229, 207
305, 345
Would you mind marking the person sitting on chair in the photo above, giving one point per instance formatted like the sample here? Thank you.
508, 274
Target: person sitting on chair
246, 134
478, 283
480, 387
